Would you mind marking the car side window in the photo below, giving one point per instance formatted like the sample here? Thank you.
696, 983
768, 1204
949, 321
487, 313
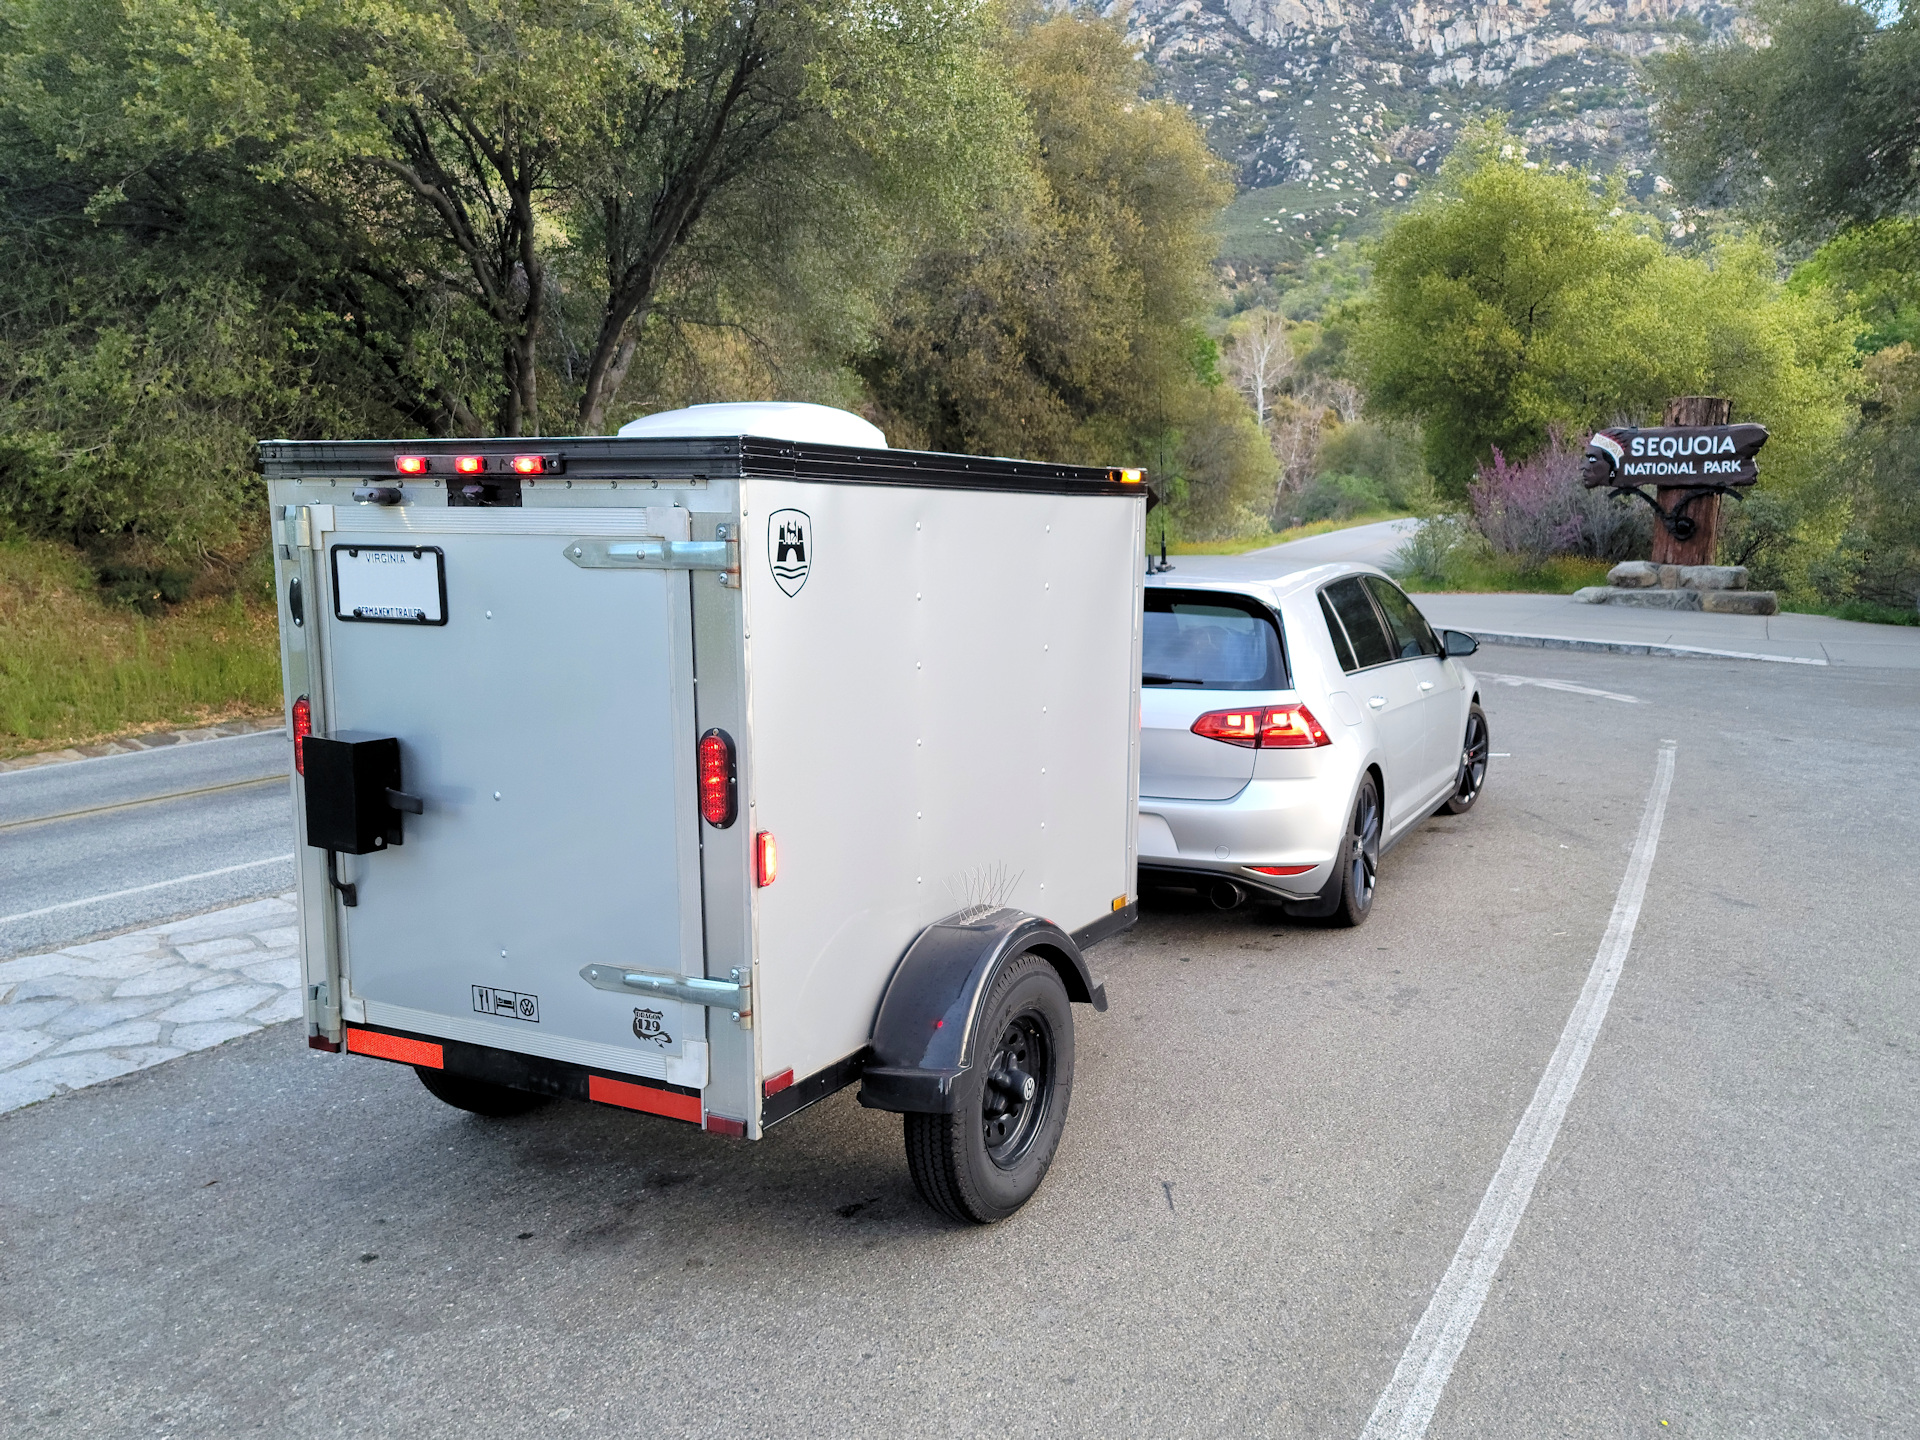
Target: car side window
1336, 632
1412, 636
1368, 637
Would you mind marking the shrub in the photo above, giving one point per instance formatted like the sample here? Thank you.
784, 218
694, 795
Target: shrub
1537, 508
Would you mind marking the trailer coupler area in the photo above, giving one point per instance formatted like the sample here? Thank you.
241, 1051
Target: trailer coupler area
535, 1075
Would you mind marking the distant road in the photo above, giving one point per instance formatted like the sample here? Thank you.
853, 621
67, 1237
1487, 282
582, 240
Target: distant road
95, 845
1366, 544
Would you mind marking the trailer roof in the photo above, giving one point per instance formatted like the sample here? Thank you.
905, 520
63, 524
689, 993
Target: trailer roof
615, 457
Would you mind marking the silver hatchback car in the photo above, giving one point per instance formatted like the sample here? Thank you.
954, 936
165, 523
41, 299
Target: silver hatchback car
1294, 728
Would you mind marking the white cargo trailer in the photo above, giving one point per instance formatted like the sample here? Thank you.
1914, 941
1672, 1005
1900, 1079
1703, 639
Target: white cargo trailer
708, 774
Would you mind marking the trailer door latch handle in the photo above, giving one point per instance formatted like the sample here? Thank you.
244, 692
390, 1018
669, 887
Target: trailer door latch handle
731, 995
400, 800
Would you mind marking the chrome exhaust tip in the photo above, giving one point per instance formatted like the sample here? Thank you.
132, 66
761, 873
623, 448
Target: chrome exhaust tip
1225, 895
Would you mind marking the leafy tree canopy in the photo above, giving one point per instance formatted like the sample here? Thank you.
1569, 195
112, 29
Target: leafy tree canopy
1814, 127
1513, 300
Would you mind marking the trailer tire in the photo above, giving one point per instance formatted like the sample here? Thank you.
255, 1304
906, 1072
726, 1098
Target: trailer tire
480, 1097
986, 1159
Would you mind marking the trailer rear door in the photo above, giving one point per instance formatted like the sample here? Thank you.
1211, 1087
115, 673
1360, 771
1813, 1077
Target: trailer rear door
545, 718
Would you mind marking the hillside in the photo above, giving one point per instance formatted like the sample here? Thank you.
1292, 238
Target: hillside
1333, 110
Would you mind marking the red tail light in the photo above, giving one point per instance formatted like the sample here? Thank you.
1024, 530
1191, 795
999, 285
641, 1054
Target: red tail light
302, 727
718, 791
470, 464
410, 464
1280, 869
529, 464
1273, 727
1291, 727
766, 863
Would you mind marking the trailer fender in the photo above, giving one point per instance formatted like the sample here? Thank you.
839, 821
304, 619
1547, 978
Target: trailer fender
923, 1038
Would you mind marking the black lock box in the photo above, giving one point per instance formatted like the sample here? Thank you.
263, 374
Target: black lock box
348, 785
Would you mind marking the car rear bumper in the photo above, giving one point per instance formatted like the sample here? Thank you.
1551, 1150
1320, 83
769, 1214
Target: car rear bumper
1269, 823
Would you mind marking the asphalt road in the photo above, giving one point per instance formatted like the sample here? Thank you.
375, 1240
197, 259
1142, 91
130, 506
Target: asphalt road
92, 846
1279, 1134
1364, 544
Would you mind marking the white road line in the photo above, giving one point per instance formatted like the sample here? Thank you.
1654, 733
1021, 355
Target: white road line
1566, 685
142, 889
1406, 1406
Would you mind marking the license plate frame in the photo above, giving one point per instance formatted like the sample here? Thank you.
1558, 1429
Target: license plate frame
389, 584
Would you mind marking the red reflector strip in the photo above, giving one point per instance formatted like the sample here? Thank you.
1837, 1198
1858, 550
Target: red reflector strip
721, 1125
1280, 869
396, 1047
629, 1096
776, 1083
320, 1042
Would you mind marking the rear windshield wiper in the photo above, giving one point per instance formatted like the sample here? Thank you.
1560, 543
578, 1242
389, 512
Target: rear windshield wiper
1149, 678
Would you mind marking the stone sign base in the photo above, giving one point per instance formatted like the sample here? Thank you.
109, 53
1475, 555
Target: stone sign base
1720, 589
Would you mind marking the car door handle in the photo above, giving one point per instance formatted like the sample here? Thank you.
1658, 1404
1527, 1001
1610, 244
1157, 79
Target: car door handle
1376, 701
1426, 684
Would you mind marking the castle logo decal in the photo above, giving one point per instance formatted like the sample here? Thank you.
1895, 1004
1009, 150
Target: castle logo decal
790, 548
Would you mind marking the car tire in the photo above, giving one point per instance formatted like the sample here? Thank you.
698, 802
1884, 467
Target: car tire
1360, 857
986, 1159
1473, 764
480, 1097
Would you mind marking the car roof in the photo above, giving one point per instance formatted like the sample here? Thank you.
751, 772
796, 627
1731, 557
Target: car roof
1272, 588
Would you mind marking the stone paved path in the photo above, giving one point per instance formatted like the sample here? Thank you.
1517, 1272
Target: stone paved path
90, 1012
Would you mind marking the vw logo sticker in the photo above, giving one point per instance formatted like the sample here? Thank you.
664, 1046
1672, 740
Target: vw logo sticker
790, 548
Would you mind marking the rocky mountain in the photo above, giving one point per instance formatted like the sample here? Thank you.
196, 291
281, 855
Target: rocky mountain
1334, 110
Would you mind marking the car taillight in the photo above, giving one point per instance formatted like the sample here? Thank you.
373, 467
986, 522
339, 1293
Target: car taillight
1272, 727
1236, 727
470, 464
302, 727
1291, 727
410, 464
718, 790
766, 862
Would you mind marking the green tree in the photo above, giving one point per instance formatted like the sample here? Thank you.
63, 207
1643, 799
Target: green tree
1514, 300
1815, 128
1069, 325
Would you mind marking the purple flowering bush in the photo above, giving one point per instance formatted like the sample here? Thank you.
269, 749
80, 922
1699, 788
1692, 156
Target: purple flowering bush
1536, 508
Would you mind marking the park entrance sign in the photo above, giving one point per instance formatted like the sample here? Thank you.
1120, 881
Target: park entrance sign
1681, 471
1716, 455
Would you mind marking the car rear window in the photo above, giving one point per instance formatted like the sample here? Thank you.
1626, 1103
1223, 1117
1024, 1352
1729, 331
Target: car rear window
1366, 636
1218, 642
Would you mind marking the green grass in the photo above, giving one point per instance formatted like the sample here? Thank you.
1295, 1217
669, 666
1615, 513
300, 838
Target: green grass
1243, 544
1864, 610
1486, 574
75, 668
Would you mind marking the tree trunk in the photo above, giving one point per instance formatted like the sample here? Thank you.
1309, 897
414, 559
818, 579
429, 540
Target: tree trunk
1701, 546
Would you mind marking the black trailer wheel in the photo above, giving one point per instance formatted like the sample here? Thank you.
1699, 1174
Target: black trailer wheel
986, 1159
1359, 863
1473, 764
479, 1096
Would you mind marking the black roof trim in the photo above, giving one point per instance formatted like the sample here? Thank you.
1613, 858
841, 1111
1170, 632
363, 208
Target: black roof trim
612, 457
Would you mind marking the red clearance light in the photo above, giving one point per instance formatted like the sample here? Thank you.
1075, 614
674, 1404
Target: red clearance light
410, 464
1280, 869
529, 464
718, 791
766, 861
470, 464
302, 727
1275, 727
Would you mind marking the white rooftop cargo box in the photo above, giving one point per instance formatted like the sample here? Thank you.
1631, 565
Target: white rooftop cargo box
707, 774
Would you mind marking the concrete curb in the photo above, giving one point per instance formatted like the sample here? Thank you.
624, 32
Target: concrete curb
152, 740
1633, 647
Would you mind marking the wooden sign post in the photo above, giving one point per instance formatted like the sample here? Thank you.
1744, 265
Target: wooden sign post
1700, 547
